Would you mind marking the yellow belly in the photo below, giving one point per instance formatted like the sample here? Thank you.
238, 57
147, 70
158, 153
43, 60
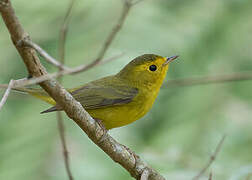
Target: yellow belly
122, 115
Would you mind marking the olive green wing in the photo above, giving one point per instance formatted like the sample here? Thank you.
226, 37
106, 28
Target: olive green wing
94, 96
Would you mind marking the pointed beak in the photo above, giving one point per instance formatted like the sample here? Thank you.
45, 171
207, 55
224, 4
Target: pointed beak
170, 59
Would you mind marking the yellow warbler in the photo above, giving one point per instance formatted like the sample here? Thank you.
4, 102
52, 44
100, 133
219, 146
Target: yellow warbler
122, 98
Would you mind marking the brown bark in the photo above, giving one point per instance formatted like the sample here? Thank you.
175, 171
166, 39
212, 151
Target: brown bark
119, 153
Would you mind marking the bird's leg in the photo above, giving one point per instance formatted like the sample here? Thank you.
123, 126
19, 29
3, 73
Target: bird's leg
29, 76
131, 152
105, 131
101, 125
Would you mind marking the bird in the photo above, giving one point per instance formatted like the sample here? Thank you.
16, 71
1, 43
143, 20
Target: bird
119, 99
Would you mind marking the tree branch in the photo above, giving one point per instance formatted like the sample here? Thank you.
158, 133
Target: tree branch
193, 81
43, 53
145, 175
64, 145
74, 110
126, 8
26, 41
61, 52
211, 160
6, 94
210, 176
39, 79
63, 32
136, 2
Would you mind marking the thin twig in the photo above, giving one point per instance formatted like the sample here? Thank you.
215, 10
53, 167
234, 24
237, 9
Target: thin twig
119, 153
212, 158
193, 81
145, 175
6, 94
63, 32
36, 80
86, 67
126, 8
136, 2
43, 53
18, 83
26, 41
64, 70
210, 176
64, 145
61, 52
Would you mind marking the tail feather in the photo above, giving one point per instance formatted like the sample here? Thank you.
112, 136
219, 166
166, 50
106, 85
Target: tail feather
38, 93
54, 108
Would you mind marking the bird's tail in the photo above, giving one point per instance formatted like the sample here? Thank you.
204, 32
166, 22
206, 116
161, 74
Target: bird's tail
54, 108
36, 92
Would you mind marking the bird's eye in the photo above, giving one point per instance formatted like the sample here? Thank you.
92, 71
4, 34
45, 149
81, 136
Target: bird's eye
153, 67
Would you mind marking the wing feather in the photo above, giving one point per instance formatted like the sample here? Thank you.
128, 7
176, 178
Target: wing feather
104, 96
98, 94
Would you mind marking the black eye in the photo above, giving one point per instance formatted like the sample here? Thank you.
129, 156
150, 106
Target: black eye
153, 67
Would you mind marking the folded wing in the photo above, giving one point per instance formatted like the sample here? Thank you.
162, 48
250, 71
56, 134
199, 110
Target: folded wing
100, 95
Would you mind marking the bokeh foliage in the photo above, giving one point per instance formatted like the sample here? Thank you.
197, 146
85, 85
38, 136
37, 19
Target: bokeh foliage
186, 123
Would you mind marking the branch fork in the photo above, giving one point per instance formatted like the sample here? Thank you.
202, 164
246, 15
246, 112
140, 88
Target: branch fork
74, 109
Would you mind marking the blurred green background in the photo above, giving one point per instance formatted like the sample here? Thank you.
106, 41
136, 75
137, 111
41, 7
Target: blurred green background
179, 134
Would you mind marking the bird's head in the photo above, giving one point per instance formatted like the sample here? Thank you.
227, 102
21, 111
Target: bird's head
146, 70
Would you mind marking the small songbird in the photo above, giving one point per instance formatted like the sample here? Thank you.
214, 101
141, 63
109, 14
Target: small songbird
119, 99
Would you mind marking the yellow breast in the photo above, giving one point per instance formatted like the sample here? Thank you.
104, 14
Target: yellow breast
117, 116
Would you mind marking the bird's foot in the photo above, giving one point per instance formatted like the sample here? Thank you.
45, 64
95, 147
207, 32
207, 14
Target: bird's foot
29, 76
105, 131
132, 153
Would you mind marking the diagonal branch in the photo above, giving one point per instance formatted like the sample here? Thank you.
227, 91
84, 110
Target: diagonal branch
193, 81
61, 52
115, 30
74, 110
136, 2
64, 144
145, 175
126, 8
63, 69
211, 160
44, 54
39, 79
210, 176
6, 94
63, 32
26, 41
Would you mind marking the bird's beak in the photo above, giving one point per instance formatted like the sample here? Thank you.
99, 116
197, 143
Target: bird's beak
170, 59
